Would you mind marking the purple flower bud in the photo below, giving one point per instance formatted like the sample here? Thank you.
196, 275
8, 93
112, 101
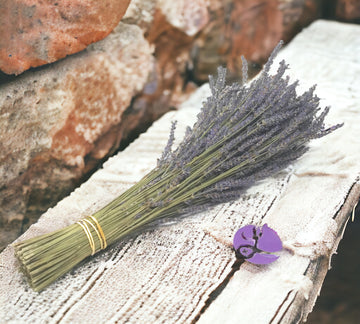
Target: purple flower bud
255, 244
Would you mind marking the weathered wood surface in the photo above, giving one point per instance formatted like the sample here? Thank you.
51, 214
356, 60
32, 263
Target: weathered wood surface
171, 274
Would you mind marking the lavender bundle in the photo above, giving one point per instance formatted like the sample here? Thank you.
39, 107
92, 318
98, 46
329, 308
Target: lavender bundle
243, 134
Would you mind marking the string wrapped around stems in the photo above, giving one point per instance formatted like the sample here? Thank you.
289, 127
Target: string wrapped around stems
243, 134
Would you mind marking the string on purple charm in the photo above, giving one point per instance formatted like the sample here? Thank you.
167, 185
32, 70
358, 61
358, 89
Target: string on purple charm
256, 244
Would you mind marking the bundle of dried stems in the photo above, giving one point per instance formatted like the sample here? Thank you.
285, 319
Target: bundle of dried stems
243, 134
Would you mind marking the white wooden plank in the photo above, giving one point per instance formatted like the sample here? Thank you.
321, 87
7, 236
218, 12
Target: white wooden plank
311, 213
168, 275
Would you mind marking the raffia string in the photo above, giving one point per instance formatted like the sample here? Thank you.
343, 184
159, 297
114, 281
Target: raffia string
84, 223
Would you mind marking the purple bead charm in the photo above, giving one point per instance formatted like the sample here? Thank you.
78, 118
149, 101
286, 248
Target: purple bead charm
255, 244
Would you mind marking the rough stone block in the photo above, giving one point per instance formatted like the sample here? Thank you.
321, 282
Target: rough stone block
55, 123
348, 10
35, 32
248, 27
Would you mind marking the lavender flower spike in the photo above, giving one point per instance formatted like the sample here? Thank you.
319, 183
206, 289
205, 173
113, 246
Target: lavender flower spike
255, 244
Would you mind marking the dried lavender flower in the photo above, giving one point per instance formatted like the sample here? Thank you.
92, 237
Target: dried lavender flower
256, 244
244, 133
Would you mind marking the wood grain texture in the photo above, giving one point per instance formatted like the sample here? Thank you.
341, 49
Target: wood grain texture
172, 274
